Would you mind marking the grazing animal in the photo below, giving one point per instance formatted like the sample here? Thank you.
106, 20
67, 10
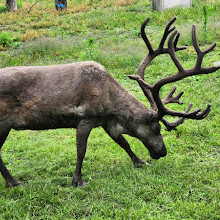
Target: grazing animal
83, 95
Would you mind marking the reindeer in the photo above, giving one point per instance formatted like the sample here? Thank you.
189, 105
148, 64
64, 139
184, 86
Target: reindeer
83, 95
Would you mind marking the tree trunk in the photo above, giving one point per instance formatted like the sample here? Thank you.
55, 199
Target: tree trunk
11, 5
60, 4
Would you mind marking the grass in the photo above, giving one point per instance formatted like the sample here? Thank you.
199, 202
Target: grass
183, 185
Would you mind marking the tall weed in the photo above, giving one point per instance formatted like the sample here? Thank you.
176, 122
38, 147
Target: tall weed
89, 49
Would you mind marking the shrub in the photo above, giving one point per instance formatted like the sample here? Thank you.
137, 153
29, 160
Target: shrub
5, 39
3, 9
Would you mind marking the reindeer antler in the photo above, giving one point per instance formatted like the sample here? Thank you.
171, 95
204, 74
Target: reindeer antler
152, 91
160, 50
182, 73
150, 56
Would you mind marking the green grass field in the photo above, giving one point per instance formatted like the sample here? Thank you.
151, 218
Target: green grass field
183, 185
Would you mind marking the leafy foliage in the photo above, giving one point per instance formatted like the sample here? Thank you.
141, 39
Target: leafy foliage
3, 9
7, 41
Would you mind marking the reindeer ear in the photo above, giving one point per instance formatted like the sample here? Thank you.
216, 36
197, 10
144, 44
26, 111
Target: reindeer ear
153, 116
158, 116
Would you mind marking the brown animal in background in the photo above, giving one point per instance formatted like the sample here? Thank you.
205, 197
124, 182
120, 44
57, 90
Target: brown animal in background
83, 95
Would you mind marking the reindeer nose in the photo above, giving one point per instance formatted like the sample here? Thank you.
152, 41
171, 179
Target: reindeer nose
163, 152
158, 154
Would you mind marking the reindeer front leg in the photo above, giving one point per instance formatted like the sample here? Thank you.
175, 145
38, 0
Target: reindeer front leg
121, 141
82, 133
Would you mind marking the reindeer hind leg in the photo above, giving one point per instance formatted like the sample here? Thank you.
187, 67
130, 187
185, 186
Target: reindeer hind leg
10, 181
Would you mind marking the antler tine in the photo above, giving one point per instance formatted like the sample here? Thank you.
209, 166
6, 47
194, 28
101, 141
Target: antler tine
167, 31
144, 36
204, 113
175, 43
170, 99
194, 40
210, 48
151, 55
196, 45
172, 52
197, 114
172, 125
201, 53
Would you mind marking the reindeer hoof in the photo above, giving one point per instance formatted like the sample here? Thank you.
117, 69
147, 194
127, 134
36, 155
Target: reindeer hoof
140, 163
78, 183
13, 183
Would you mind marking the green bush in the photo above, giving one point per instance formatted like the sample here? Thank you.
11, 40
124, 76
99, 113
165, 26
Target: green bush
7, 41
3, 9
90, 50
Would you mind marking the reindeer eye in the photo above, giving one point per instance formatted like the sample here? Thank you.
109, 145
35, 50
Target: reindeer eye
157, 129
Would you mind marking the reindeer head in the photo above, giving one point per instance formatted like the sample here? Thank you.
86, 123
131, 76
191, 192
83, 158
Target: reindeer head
149, 133
154, 140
